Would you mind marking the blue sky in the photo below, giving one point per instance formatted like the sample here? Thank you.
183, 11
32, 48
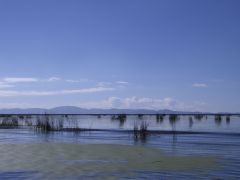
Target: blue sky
156, 54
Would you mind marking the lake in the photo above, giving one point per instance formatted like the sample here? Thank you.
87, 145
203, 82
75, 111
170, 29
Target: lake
183, 147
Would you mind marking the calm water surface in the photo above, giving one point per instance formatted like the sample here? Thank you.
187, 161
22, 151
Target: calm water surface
223, 144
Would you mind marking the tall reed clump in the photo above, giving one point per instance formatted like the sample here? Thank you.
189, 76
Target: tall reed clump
140, 116
140, 132
121, 118
190, 121
159, 118
48, 123
218, 119
173, 118
198, 117
228, 119
9, 121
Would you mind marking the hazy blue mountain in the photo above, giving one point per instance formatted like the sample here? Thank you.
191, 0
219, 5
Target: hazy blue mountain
78, 110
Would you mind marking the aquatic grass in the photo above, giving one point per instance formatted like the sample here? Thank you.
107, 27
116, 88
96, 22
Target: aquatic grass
159, 118
218, 119
173, 118
190, 121
140, 116
120, 117
21, 117
199, 117
140, 132
48, 123
9, 121
228, 119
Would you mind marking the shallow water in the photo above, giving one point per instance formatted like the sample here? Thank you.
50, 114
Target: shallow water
28, 154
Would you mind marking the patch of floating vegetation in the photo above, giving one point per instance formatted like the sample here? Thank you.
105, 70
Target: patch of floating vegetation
68, 160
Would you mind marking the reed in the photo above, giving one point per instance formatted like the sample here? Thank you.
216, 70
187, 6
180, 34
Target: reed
173, 118
121, 118
198, 117
160, 118
218, 119
140, 132
228, 119
140, 116
48, 123
9, 122
190, 121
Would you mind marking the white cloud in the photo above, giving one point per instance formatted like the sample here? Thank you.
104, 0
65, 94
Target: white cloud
143, 103
200, 85
11, 93
77, 80
104, 84
122, 82
19, 79
52, 79
72, 81
5, 85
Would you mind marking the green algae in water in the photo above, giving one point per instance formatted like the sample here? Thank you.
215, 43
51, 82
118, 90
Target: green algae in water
102, 161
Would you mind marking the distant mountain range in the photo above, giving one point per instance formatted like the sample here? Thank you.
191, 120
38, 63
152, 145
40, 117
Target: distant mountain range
78, 110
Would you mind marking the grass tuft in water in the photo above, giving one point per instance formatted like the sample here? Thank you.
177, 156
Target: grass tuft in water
198, 117
140, 132
120, 117
228, 119
9, 122
218, 119
160, 118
